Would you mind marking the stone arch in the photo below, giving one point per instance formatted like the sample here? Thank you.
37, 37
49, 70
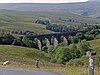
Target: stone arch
47, 42
39, 44
64, 40
55, 42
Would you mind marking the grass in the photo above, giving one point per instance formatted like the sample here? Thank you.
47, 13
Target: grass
18, 21
66, 70
95, 44
19, 54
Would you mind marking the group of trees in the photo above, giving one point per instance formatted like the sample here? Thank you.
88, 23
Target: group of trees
9, 39
6, 38
56, 27
60, 28
62, 54
17, 32
90, 35
65, 28
75, 21
44, 22
23, 32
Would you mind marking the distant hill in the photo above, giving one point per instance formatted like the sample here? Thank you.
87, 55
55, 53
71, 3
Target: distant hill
89, 8
94, 0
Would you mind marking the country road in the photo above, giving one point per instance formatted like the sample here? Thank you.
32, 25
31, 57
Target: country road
12, 71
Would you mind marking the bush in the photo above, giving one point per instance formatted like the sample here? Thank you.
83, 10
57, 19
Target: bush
62, 54
53, 60
83, 46
45, 49
60, 61
75, 62
97, 37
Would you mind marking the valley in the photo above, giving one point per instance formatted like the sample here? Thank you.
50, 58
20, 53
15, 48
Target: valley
49, 37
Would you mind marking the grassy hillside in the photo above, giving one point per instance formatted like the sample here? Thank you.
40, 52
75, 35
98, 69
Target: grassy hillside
21, 54
88, 8
20, 21
11, 20
95, 46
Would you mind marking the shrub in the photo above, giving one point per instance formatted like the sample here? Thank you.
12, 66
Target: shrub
75, 62
53, 60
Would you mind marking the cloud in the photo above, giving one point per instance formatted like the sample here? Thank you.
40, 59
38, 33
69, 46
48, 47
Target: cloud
41, 1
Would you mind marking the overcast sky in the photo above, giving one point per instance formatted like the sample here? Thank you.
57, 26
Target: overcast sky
40, 1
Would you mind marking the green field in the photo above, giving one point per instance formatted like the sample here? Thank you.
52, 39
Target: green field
11, 20
21, 54
18, 21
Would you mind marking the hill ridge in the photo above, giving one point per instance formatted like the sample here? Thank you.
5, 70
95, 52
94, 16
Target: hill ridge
75, 8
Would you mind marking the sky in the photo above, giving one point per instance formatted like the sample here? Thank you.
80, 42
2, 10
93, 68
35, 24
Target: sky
40, 1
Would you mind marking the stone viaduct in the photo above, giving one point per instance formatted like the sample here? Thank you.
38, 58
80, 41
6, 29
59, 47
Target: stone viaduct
56, 37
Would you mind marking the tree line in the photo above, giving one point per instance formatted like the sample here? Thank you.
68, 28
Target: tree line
10, 39
65, 28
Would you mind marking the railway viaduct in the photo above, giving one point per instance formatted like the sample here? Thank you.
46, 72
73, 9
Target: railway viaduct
56, 37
